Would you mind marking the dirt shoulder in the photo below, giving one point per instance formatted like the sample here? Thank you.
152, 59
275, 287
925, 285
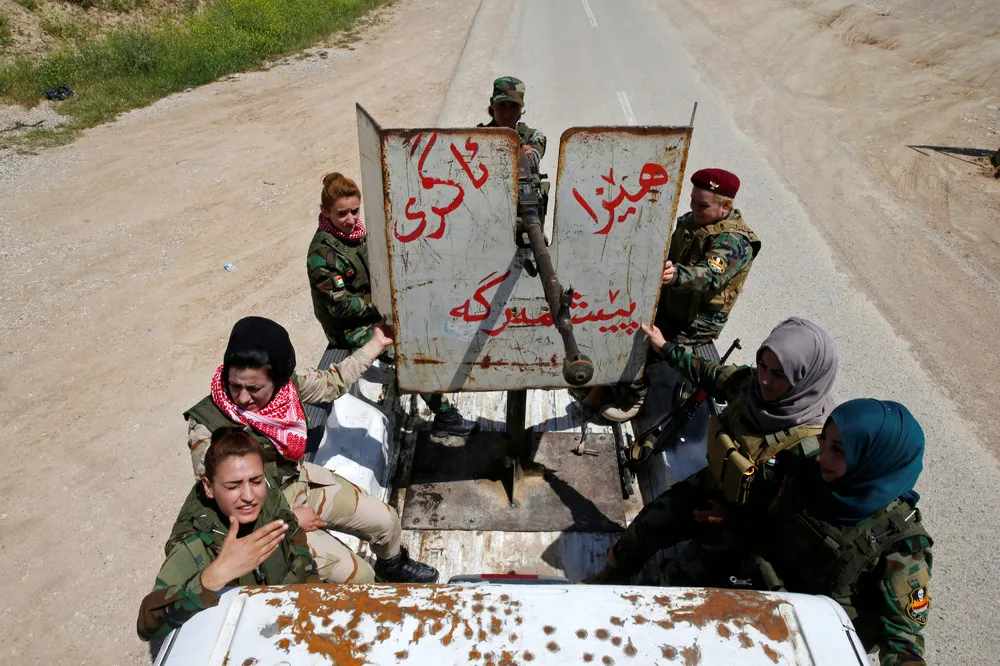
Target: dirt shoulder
115, 307
881, 117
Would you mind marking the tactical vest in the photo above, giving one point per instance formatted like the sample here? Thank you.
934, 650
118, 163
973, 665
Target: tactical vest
356, 281
688, 246
737, 454
200, 528
213, 418
814, 556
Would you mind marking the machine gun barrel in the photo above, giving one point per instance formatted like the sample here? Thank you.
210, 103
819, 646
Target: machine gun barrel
577, 367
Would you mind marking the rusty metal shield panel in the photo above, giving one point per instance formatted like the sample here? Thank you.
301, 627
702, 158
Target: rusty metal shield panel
468, 312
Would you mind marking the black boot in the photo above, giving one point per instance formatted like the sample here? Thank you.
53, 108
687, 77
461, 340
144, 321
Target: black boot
450, 422
401, 569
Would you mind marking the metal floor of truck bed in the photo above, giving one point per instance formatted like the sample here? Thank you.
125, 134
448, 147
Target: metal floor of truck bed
575, 554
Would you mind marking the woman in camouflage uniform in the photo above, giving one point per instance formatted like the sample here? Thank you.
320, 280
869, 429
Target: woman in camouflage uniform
235, 528
845, 525
774, 413
341, 289
257, 387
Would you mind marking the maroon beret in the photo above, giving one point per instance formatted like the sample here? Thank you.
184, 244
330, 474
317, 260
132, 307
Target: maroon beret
719, 181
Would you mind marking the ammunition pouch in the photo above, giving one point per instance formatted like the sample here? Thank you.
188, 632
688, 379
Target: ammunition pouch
733, 471
734, 463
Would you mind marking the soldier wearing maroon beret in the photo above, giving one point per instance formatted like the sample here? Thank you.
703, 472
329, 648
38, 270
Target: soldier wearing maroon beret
709, 259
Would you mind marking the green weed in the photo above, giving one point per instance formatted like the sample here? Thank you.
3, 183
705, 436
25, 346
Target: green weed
132, 67
6, 34
30, 5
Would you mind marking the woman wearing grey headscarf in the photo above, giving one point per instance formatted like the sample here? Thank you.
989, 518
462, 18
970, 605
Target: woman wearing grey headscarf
773, 415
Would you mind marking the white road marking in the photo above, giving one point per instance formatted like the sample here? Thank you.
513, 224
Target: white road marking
590, 14
626, 107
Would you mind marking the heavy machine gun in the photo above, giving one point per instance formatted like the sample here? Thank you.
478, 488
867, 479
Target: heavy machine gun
531, 196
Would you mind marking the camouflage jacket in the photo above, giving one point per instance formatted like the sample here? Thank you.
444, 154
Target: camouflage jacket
695, 306
196, 540
314, 387
529, 137
878, 569
722, 382
341, 289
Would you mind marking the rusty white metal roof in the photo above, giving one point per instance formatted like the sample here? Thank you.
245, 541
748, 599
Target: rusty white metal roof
513, 624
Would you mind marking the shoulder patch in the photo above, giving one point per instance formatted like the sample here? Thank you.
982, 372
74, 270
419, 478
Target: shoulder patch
919, 605
338, 281
716, 264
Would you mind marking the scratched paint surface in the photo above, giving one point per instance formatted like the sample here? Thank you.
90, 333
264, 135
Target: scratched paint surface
517, 624
468, 314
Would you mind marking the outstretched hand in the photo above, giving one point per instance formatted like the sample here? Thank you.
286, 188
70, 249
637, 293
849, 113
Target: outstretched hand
669, 272
307, 518
241, 556
383, 334
656, 339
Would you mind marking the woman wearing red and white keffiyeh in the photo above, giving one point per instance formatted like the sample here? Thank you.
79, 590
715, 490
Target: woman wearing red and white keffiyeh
257, 387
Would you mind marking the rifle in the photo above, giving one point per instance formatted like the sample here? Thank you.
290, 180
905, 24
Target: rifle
655, 438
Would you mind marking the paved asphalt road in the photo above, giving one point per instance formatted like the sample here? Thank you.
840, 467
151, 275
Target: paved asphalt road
607, 62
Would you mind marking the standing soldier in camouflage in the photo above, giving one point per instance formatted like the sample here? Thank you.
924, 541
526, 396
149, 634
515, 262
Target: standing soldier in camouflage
710, 255
234, 528
506, 108
846, 526
341, 289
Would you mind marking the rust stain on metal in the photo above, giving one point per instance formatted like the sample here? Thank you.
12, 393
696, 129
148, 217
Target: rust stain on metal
487, 362
504, 597
581, 633
249, 661
423, 360
495, 626
691, 655
549, 630
602, 634
617, 620
607, 661
552, 646
634, 598
513, 638
386, 606
640, 620
274, 602
723, 630
475, 654
715, 605
284, 644
528, 656
402, 654
587, 657
771, 654
664, 624
616, 641
745, 641
630, 649
669, 651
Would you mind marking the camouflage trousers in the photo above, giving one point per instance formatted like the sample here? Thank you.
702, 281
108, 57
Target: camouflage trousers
348, 509
664, 522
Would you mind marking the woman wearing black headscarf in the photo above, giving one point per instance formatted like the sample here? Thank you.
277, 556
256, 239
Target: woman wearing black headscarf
774, 413
257, 387
845, 525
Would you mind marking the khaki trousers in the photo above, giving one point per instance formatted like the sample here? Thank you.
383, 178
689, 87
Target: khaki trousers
345, 508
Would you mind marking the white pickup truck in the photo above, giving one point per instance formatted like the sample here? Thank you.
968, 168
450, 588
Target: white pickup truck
538, 494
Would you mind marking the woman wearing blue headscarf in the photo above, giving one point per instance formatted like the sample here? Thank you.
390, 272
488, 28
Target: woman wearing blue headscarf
846, 525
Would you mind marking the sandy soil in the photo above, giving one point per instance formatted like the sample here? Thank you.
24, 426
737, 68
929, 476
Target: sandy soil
114, 301
881, 116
